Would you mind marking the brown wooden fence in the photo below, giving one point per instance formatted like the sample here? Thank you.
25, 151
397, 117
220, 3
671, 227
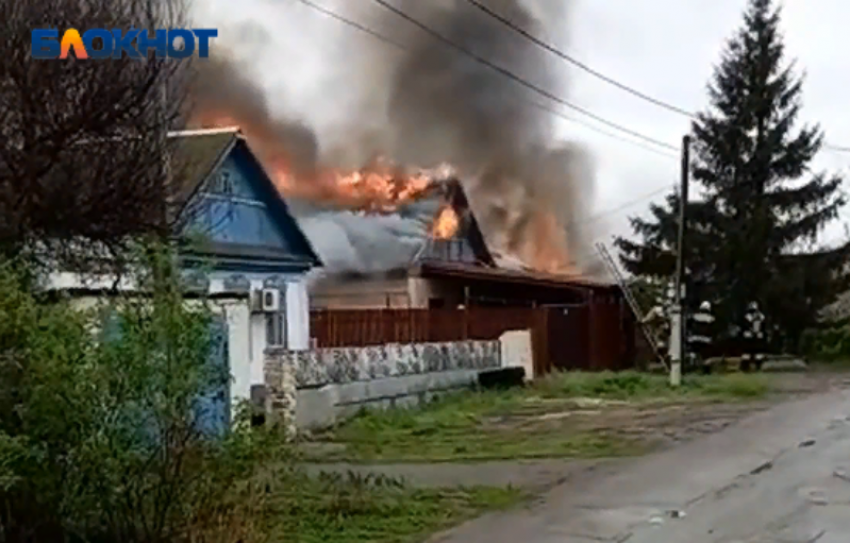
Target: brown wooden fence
342, 328
585, 337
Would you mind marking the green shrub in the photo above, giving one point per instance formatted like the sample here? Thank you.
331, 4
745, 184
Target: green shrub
98, 433
827, 343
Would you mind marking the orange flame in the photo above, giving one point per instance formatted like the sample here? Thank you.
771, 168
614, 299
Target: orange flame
446, 223
545, 246
382, 187
379, 187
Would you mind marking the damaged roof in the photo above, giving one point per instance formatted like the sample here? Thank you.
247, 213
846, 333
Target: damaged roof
461, 271
452, 249
488, 264
197, 154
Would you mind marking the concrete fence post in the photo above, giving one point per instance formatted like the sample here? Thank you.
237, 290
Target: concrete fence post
516, 351
279, 369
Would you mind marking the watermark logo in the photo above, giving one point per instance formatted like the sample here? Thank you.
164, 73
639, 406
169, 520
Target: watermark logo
115, 43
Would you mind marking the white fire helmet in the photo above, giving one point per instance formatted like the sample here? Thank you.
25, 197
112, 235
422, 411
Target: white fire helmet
705, 306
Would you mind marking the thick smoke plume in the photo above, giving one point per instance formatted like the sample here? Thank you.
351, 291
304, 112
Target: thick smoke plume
223, 93
424, 103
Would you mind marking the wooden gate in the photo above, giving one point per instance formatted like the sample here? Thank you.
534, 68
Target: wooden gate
213, 409
212, 413
568, 337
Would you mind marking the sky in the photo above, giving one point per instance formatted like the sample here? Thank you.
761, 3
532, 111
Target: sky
663, 48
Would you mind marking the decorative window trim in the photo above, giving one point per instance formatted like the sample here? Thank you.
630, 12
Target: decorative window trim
276, 330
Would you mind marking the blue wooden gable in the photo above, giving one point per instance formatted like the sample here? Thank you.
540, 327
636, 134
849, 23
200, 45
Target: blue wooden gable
240, 213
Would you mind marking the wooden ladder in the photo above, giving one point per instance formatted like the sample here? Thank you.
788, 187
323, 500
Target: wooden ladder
632, 301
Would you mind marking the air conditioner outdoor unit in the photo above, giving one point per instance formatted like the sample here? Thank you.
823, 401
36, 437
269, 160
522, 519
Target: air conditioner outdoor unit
270, 300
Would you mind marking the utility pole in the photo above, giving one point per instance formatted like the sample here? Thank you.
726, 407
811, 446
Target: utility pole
677, 317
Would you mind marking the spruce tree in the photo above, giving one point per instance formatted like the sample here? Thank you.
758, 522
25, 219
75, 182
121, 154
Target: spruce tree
759, 204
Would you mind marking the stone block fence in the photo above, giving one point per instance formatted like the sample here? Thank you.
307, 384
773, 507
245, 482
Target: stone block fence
317, 388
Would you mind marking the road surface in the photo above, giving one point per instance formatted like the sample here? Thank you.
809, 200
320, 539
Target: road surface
780, 476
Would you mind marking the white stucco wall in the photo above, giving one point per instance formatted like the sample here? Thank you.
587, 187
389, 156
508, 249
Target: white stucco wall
237, 314
297, 312
246, 330
297, 316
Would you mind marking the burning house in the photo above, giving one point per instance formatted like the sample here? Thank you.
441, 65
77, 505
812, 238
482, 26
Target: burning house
394, 237
450, 267
447, 232
423, 106
447, 279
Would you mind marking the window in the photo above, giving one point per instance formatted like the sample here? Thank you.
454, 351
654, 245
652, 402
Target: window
276, 329
225, 183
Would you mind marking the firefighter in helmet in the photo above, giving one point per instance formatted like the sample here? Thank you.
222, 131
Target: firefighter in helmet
700, 336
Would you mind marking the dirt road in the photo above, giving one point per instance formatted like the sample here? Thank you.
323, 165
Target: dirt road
779, 475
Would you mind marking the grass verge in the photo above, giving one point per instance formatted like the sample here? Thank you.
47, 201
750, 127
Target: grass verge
354, 508
559, 416
636, 386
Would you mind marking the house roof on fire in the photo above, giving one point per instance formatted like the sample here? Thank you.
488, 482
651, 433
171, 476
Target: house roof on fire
467, 245
492, 265
198, 153
439, 257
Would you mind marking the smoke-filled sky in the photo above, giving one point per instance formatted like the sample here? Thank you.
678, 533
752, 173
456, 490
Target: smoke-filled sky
664, 48
419, 104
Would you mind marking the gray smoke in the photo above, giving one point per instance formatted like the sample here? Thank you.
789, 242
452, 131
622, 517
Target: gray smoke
223, 87
448, 106
428, 104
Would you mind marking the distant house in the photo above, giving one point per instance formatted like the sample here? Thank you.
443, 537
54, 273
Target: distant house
251, 258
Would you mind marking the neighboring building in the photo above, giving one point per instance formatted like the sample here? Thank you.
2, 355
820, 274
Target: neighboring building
450, 273
403, 288
252, 249
588, 323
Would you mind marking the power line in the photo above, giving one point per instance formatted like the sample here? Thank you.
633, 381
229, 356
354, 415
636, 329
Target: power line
352, 24
553, 111
622, 207
517, 79
836, 148
643, 146
562, 55
548, 109
611, 81
578, 63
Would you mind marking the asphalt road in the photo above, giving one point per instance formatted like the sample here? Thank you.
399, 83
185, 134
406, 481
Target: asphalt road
780, 476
